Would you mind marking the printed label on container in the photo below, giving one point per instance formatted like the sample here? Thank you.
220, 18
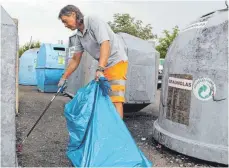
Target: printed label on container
180, 83
179, 98
35, 63
61, 60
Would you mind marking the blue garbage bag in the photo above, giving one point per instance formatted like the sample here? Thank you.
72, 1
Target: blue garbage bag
98, 137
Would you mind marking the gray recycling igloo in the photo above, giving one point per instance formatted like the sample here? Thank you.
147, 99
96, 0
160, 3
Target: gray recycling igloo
193, 117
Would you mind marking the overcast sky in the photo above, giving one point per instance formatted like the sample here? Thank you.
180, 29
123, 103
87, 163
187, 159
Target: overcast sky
38, 18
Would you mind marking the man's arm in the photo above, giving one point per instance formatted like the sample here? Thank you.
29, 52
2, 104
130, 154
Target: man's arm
73, 64
104, 53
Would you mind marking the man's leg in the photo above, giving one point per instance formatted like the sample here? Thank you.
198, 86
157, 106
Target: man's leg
117, 79
119, 108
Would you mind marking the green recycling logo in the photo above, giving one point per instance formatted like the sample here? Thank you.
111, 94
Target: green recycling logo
204, 92
204, 88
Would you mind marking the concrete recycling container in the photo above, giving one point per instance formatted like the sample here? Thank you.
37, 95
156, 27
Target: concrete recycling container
50, 66
193, 117
27, 67
9, 47
142, 73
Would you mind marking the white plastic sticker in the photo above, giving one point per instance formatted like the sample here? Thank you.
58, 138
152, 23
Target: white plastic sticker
204, 88
180, 83
62, 53
71, 52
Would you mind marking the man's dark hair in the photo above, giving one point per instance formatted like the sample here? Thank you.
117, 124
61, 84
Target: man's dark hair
67, 10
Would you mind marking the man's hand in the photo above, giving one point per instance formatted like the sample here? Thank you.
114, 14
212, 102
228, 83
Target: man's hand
98, 74
61, 82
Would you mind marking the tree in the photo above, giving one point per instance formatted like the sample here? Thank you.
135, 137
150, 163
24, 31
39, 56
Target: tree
166, 41
127, 24
27, 46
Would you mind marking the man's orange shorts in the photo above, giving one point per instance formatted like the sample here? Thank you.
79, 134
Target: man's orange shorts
116, 76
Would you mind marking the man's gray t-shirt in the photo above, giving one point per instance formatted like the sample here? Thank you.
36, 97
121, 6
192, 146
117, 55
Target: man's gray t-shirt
95, 32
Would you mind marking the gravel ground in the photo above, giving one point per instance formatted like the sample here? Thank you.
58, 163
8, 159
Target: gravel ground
47, 144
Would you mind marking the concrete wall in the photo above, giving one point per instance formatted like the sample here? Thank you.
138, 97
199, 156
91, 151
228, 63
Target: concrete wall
9, 37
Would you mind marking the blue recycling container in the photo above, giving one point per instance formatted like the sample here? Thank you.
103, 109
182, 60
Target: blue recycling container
27, 65
50, 66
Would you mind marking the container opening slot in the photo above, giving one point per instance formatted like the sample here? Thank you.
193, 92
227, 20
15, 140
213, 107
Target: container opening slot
59, 48
207, 14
